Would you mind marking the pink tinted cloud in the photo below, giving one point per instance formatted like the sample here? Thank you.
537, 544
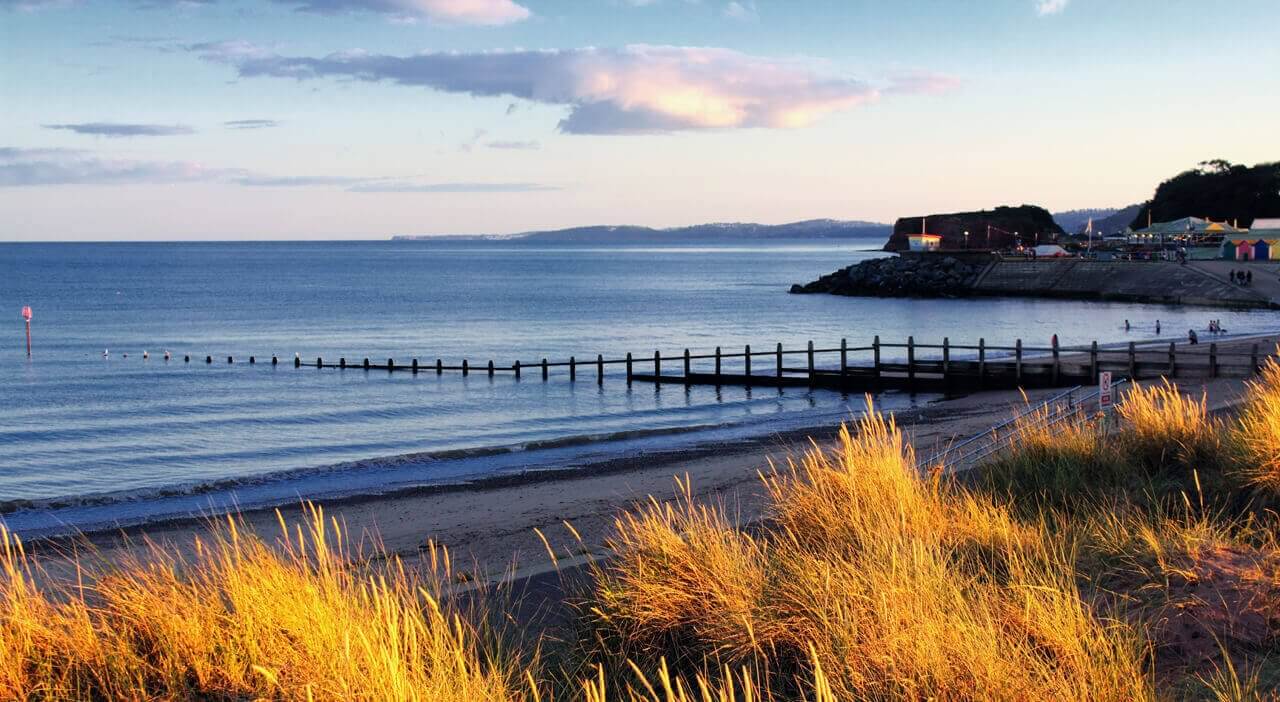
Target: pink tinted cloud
633, 89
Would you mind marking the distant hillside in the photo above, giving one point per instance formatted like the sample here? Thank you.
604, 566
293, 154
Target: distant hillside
1106, 220
1217, 190
1073, 221
1025, 220
724, 232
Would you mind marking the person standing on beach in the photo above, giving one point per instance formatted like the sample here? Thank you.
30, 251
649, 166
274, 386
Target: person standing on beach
1157, 327
1126, 325
1191, 336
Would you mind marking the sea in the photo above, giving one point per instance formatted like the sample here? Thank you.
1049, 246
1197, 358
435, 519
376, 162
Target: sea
94, 435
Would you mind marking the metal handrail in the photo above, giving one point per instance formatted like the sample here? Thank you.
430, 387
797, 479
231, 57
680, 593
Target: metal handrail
995, 441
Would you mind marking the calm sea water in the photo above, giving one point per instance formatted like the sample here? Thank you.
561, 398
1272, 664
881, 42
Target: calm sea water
87, 439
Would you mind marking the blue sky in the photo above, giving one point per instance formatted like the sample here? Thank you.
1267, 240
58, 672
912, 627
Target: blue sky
217, 119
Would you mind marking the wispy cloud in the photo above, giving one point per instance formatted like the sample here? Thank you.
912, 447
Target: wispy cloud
400, 187
30, 167
1050, 7
119, 130
514, 145
464, 12
251, 124
921, 83
635, 89
742, 10
43, 167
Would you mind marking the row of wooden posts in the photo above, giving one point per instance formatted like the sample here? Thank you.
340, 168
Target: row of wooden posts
1049, 371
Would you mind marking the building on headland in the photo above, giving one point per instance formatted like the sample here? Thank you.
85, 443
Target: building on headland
1188, 230
924, 242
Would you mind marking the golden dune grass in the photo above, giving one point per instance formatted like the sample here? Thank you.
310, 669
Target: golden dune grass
1258, 429
243, 620
867, 581
897, 587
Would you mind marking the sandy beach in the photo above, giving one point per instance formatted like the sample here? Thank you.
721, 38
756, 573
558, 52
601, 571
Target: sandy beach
491, 529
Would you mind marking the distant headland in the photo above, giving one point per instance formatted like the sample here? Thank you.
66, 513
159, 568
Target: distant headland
725, 232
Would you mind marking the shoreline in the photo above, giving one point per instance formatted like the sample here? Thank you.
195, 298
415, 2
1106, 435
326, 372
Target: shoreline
489, 524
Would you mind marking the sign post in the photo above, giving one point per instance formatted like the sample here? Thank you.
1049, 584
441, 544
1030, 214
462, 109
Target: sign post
1106, 400
26, 316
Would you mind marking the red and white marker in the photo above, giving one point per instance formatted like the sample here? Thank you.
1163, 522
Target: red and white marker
26, 316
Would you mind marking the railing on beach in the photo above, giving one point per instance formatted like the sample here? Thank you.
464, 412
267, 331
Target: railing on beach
879, 366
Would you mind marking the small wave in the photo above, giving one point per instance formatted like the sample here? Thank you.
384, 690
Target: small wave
393, 461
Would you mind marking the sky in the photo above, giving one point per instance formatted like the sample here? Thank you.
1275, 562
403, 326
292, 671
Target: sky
352, 119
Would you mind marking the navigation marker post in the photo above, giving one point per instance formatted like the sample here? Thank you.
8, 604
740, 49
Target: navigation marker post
26, 316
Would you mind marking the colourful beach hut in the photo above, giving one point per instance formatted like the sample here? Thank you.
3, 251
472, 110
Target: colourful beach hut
1244, 250
1261, 250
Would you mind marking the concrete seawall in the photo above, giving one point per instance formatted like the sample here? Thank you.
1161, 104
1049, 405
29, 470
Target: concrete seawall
1132, 281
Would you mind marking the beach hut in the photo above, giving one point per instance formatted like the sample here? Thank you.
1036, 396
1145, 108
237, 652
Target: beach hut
1261, 250
1244, 250
1228, 250
924, 242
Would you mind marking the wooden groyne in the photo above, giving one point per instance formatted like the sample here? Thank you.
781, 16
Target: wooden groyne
910, 365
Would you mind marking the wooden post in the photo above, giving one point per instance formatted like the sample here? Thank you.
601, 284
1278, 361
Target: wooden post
875, 347
297, 361
1173, 360
439, 366
415, 366
1213, 360
515, 368
1057, 361
946, 358
186, 358
230, 359
319, 362
717, 365
657, 365
342, 362
746, 359
1017, 361
490, 368
391, 364
1253, 360
1133, 362
466, 369
599, 369
844, 360
812, 378
686, 363
573, 369
252, 360
209, 359
779, 360
911, 359
366, 364
544, 369
982, 361
274, 360
628, 369
1093, 362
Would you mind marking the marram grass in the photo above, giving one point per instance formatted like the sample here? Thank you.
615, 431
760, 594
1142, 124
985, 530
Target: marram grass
1044, 578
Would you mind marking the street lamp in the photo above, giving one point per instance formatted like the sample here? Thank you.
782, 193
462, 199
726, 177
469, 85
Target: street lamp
966, 240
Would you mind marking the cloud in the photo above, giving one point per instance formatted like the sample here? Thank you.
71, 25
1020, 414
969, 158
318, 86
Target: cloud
32, 167
251, 124
1050, 7
744, 11
463, 12
390, 187
454, 12
634, 89
920, 83
118, 130
25, 167
515, 145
